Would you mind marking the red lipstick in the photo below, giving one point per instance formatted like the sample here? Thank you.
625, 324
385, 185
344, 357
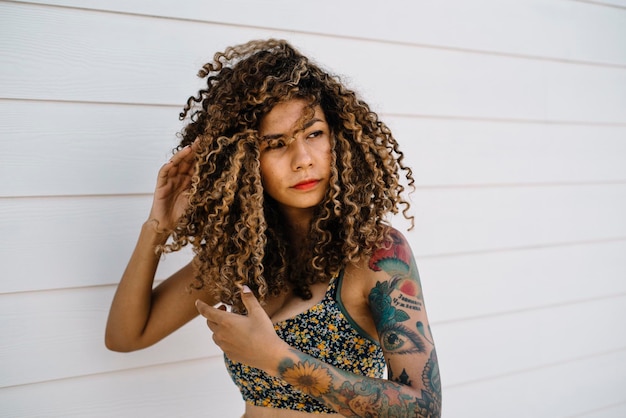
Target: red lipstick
306, 184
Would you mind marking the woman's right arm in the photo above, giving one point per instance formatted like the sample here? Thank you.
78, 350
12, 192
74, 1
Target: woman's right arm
140, 315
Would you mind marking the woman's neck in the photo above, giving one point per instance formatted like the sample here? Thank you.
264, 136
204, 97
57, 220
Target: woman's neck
297, 226
298, 237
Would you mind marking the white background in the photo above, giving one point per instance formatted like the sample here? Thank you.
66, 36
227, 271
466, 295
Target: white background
511, 112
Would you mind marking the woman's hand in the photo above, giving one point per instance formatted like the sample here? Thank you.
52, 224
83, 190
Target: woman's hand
171, 195
248, 339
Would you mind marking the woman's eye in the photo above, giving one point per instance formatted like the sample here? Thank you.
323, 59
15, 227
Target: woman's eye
315, 134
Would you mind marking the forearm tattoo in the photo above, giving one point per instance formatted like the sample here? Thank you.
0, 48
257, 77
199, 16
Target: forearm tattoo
356, 396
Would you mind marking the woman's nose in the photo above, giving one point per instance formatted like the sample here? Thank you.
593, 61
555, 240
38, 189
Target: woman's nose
301, 154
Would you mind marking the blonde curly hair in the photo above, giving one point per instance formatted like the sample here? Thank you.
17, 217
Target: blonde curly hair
235, 229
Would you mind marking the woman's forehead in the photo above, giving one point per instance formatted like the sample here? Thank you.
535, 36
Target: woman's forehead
289, 116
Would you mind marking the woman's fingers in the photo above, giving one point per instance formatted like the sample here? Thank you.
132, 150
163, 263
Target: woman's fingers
182, 159
171, 194
181, 164
212, 314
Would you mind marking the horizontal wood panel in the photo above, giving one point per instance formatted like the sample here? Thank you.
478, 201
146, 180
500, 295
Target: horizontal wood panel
610, 3
153, 61
193, 388
199, 388
485, 284
117, 149
560, 29
610, 411
459, 152
564, 390
504, 344
87, 241
39, 326
75, 242
460, 220
60, 334
86, 149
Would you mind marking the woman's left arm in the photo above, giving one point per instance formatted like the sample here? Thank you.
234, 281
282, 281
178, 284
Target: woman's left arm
397, 305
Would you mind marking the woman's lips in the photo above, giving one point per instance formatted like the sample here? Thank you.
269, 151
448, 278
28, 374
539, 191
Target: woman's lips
306, 185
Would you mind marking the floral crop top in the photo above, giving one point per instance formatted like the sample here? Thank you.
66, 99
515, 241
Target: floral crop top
324, 331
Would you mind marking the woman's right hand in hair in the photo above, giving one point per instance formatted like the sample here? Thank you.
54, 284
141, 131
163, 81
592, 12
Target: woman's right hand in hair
171, 194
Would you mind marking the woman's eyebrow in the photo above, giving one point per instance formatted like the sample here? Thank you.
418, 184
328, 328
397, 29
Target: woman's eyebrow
272, 136
304, 127
311, 123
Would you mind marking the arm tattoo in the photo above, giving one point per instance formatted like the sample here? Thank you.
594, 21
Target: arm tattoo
390, 311
356, 396
395, 337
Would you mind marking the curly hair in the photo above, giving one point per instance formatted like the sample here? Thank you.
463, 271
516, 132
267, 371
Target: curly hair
235, 229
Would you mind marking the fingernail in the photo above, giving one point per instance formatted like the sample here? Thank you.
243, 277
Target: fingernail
246, 289
222, 307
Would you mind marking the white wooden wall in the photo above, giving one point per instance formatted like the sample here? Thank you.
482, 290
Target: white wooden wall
512, 113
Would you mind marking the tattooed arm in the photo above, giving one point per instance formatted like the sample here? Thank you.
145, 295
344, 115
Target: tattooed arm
397, 308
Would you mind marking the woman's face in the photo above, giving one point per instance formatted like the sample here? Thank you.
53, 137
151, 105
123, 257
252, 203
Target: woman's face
295, 157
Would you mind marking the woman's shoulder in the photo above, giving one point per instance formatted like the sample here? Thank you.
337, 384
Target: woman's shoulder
374, 265
393, 248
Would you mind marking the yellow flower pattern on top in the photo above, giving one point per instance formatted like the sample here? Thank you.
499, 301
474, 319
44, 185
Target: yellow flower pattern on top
325, 332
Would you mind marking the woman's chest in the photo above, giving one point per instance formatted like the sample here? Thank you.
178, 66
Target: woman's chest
348, 297
287, 305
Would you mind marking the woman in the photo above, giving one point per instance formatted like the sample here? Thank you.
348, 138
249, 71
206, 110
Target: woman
281, 183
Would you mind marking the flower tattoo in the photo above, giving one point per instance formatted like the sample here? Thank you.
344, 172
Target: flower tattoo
309, 378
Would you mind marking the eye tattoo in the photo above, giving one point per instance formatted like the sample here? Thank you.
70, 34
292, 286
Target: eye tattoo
401, 340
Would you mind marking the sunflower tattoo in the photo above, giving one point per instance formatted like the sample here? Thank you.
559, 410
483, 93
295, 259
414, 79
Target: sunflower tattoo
311, 379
